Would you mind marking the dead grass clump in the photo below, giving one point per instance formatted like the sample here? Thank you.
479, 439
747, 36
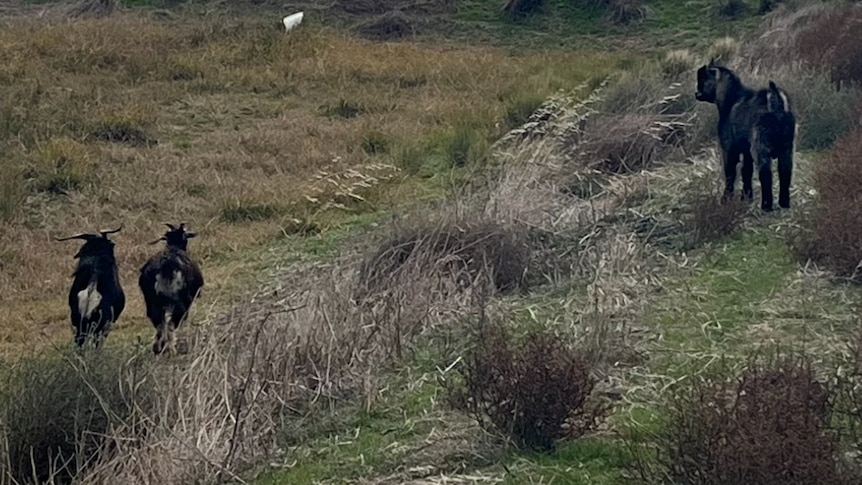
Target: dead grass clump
769, 425
713, 217
464, 252
831, 234
121, 132
59, 167
58, 412
630, 143
724, 49
678, 62
389, 26
536, 392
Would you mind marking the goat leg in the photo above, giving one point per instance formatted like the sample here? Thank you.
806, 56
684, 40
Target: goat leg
730, 160
747, 174
785, 172
765, 170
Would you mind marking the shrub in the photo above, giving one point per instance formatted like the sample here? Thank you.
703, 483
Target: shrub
536, 392
833, 41
711, 218
465, 251
769, 425
518, 8
59, 410
626, 12
831, 233
823, 113
731, 8
630, 143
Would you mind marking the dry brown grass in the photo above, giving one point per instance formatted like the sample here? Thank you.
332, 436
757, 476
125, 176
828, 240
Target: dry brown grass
237, 109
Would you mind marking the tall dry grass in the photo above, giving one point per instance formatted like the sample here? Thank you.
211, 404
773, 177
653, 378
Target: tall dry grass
224, 122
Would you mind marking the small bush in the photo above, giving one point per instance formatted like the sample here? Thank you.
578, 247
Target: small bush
823, 114
519, 8
769, 425
626, 12
59, 411
712, 218
767, 6
731, 9
630, 143
462, 251
536, 392
238, 212
831, 233
833, 41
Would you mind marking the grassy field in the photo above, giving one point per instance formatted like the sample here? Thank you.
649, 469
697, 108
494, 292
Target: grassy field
292, 155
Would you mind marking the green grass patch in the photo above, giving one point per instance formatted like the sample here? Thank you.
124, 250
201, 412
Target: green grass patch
588, 461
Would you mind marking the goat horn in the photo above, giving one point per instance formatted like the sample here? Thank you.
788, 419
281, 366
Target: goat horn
105, 232
171, 226
86, 237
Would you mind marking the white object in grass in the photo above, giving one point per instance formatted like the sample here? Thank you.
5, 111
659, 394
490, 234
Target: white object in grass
291, 21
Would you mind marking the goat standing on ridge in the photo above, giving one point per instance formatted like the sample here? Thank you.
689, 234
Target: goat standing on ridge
752, 124
96, 298
170, 281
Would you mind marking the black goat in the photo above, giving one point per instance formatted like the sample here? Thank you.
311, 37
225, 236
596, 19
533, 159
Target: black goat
753, 124
170, 281
96, 298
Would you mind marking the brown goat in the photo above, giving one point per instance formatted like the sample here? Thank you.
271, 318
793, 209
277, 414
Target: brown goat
170, 281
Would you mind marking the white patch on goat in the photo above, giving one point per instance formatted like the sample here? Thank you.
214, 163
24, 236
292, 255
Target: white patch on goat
785, 104
169, 287
88, 300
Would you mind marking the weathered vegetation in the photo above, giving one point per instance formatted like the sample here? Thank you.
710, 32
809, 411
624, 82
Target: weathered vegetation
378, 199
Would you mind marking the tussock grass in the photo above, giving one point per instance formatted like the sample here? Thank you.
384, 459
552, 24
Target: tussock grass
239, 110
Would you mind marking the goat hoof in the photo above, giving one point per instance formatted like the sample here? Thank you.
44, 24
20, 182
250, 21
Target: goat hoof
784, 204
766, 208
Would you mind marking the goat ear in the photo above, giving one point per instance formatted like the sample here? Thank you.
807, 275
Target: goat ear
158, 240
772, 85
190, 235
